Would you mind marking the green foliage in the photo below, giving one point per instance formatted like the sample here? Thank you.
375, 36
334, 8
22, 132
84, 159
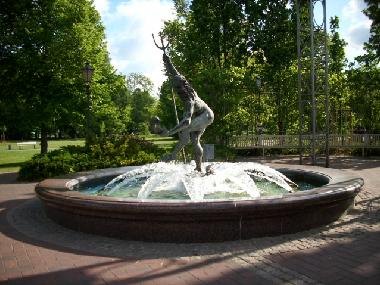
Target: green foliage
114, 151
338, 85
363, 79
336, 48
223, 47
142, 105
364, 98
373, 13
44, 46
165, 110
224, 153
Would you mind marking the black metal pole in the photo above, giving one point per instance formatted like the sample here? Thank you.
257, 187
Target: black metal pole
327, 109
312, 85
88, 127
299, 85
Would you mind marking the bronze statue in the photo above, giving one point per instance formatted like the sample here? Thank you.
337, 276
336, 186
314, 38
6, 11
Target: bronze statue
197, 115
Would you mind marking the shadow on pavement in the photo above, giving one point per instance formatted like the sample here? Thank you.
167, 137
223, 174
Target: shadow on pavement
360, 259
8, 178
351, 250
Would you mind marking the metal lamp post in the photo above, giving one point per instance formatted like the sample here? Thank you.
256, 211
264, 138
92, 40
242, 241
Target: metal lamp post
88, 71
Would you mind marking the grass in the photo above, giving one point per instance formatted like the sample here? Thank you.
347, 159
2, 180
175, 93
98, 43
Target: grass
11, 160
167, 143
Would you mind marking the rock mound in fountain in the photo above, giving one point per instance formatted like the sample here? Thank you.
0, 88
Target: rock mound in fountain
232, 178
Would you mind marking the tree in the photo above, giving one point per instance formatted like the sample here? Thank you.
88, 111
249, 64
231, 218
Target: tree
139, 81
373, 13
339, 108
364, 99
142, 102
364, 79
44, 45
222, 47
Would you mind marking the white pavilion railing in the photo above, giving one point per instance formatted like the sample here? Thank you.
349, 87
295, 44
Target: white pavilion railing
292, 141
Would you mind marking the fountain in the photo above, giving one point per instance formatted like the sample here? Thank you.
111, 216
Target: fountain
68, 201
229, 179
173, 202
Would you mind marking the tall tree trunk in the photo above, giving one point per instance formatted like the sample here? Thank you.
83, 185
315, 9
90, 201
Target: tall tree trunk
44, 140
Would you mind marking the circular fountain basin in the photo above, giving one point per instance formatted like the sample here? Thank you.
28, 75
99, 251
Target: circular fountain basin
195, 221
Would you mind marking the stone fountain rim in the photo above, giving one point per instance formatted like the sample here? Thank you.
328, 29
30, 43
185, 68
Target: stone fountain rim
62, 188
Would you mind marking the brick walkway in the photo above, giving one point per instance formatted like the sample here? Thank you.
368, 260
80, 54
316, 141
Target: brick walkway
34, 250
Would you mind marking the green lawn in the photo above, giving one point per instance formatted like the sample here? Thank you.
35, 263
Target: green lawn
166, 143
11, 160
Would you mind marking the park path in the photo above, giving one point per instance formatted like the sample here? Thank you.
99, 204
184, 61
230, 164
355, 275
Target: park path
34, 250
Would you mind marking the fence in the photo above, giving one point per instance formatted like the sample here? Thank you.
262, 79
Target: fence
292, 141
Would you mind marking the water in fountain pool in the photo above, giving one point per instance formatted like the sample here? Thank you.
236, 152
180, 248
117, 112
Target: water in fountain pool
180, 181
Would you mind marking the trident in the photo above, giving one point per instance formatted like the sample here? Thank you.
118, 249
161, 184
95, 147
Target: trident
163, 47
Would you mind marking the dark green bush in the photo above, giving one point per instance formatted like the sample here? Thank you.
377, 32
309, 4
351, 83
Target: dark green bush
224, 153
108, 152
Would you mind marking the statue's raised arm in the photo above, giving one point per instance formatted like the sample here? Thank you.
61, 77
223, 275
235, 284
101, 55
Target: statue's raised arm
197, 115
170, 68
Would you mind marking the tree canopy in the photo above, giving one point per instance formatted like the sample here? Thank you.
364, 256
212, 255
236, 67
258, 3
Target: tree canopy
44, 46
241, 57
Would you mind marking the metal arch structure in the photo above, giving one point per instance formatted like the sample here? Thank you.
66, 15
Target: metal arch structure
313, 89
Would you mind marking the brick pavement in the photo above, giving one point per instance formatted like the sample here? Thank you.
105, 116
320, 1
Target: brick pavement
34, 250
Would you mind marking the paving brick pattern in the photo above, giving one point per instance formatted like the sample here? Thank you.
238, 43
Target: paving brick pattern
34, 250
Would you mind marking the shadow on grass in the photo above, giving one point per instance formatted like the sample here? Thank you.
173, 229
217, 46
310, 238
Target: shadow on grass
10, 167
12, 164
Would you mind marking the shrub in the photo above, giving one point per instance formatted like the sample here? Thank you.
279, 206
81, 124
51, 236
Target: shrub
114, 151
224, 153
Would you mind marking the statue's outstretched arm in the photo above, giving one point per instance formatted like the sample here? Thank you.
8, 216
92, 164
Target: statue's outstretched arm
185, 122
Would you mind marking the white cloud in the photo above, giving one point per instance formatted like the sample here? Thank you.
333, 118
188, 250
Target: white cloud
129, 28
358, 28
353, 9
102, 6
359, 33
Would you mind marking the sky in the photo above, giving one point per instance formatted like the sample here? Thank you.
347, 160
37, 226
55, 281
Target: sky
130, 23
